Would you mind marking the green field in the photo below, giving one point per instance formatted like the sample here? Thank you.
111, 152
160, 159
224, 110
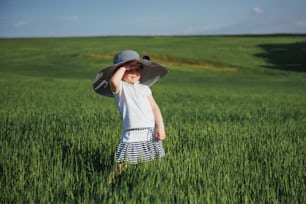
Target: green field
234, 110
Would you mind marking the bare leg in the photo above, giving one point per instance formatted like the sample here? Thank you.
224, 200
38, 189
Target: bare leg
119, 168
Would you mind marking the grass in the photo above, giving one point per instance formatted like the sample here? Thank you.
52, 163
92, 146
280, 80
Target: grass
232, 136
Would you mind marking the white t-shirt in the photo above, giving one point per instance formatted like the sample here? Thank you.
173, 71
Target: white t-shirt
134, 105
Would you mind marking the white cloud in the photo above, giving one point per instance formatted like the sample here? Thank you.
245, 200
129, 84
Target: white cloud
70, 18
257, 10
202, 29
22, 23
301, 23
64, 18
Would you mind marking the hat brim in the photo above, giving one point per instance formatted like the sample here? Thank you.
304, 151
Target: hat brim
150, 74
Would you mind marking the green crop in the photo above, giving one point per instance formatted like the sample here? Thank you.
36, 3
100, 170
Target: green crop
235, 121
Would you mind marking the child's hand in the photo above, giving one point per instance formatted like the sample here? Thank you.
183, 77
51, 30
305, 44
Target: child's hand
160, 134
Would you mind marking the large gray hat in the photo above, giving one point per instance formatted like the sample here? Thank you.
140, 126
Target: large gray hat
150, 73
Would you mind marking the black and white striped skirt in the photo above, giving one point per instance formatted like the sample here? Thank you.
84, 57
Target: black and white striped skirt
139, 145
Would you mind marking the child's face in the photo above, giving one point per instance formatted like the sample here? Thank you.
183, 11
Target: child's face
132, 73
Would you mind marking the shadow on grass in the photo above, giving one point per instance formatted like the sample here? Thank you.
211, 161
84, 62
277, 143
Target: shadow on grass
89, 160
288, 57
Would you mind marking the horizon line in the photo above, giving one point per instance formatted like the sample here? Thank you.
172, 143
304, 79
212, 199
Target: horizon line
161, 35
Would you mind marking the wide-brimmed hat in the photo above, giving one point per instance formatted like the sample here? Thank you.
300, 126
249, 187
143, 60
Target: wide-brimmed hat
150, 73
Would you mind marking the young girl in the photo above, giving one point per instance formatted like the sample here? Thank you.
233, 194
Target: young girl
143, 127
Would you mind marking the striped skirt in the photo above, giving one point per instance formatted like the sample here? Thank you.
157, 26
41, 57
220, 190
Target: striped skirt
139, 145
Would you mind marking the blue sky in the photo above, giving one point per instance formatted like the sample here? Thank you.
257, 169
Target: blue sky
52, 18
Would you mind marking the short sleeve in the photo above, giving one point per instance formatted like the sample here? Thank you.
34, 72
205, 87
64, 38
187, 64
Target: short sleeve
148, 91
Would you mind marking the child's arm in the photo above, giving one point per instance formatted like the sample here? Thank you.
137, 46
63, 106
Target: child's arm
160, 131
116, 79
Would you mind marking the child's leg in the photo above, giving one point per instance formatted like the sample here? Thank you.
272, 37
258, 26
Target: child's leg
115, 169
121, 167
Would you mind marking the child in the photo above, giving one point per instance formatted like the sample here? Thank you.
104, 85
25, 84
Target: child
143, 127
